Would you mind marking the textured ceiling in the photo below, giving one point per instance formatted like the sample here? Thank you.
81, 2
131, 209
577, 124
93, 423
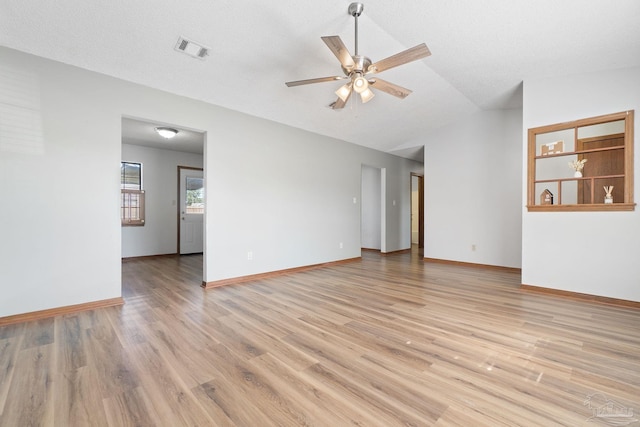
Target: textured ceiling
481, 52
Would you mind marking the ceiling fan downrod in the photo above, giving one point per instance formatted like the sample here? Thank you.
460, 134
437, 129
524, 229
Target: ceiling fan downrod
355, 10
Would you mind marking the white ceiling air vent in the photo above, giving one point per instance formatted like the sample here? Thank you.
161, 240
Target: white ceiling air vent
191, 48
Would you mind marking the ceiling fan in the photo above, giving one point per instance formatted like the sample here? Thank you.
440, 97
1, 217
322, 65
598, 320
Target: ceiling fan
357, 67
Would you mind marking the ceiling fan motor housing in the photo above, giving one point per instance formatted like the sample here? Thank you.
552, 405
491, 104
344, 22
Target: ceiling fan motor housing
361, 66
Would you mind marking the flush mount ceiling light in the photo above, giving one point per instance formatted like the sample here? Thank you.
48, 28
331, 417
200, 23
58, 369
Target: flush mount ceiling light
166, 132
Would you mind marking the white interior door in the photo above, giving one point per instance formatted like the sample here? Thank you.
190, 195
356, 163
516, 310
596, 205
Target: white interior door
191, 211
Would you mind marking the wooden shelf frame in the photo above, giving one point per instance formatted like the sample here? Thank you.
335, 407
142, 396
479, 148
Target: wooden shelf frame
569, 153
532, 156
584, 178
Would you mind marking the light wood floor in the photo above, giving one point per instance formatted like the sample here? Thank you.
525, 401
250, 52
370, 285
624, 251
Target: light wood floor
382, 342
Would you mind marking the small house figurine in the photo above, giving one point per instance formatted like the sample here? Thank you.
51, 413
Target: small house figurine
546, 197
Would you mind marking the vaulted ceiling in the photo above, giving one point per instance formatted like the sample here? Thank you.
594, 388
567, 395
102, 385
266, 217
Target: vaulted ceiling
481, 53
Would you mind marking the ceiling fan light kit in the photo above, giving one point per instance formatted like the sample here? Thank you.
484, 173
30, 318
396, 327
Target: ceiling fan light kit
366, 95
357, 67
344, 92
360, 84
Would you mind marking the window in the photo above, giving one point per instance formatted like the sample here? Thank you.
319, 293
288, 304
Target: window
195, 195
131, 194
584, 165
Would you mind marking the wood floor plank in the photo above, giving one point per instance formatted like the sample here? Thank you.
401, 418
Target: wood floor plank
9, 348
250, 390
376, 340
276, 347
387, 411
30, 394
192, 365
512, 403
170, 396
77, 399
182, 325
324, 407
12, 330
205, 394
410, 395
462, 415
108, 359
131, 408
40, 333
69, 340
383, 341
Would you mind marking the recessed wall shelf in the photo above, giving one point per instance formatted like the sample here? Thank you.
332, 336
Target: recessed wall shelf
604, 147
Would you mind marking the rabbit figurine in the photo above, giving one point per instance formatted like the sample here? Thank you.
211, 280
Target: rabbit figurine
608, 197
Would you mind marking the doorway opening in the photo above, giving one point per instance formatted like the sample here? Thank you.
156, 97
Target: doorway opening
160, 159
417, 210
372, 214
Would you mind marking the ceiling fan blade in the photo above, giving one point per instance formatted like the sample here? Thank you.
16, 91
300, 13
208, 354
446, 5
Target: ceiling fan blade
318, 80
390, 88
409, 55
337, 104
339, 50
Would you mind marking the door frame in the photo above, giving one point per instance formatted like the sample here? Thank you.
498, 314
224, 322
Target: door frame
178, 215
420, 207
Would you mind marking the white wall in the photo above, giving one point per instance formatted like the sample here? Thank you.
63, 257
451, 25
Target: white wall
594, 253
473, 193
159, 234
283, 193
59, 161
371, 205
287, 196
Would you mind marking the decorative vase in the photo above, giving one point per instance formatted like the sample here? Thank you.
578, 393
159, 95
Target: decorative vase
608, 199
577, 174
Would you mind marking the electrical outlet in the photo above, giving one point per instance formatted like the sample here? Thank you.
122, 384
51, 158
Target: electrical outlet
473, 247
341, 245
250, 256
